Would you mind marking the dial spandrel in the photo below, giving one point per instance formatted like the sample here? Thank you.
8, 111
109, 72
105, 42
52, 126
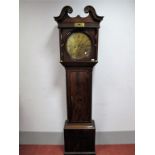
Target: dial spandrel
78, 45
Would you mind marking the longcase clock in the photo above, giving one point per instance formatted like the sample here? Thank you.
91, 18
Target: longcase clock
78, 54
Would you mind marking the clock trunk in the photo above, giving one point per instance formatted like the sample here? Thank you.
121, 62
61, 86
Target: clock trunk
79, 94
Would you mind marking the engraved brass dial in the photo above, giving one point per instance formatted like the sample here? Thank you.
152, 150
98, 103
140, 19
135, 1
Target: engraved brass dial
78, 45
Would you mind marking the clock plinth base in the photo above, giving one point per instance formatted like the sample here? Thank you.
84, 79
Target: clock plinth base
79, 138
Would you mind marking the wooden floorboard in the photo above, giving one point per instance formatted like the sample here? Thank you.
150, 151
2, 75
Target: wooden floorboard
125, 149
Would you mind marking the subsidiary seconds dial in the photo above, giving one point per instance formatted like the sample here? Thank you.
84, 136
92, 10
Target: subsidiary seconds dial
78, 45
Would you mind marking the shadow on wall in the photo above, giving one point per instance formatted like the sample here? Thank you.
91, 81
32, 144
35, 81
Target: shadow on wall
58, 74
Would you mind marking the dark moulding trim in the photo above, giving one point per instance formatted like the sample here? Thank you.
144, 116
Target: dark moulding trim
68, 10
64, 12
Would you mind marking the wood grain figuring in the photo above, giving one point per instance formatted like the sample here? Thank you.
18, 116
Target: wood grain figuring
128, 149
79, 94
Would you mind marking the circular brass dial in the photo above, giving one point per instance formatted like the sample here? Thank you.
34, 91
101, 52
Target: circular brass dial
78, 45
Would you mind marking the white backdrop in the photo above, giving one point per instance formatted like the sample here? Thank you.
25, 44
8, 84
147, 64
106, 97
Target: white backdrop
42, 78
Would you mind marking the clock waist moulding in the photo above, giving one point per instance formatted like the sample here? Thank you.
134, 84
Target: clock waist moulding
78, 37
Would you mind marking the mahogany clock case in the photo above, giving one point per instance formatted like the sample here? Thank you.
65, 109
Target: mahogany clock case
79, 128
